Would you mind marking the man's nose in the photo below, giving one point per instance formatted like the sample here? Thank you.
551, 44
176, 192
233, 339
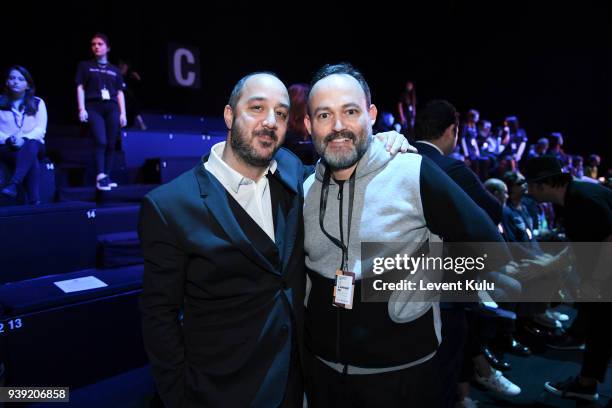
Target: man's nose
338, 125
270, 120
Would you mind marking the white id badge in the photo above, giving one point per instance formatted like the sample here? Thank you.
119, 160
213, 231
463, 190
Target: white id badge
105, 94
344, 289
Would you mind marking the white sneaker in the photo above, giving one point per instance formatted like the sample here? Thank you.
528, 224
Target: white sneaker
547, 321
104, 183
467, 403
553, 314
498, 383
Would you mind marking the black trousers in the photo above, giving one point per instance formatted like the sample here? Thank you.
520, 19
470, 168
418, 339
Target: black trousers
27, 166
594, 320
411, 387
104, 126
294, 393
449, 358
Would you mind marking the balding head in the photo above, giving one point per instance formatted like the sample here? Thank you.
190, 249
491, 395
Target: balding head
256, 77
256, 116
498, 188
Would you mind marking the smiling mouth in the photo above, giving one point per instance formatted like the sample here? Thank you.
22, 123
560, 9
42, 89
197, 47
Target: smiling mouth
341, 143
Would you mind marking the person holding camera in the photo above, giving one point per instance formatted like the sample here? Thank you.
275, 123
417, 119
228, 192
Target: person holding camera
23, 124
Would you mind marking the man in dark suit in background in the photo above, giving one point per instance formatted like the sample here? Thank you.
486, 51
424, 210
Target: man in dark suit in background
436, 132
224, 279
436, 138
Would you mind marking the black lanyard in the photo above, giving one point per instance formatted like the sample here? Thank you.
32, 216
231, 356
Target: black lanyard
323, 206
23, 115
101, 81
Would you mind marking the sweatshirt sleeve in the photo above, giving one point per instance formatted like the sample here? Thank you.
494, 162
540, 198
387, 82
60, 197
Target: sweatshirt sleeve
470, 183
450, 212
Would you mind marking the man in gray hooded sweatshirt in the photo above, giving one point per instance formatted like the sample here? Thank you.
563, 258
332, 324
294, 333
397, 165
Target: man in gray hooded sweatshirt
366, 353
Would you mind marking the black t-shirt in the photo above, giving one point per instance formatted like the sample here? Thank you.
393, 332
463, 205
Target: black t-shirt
94, 77
587, 213
515, 141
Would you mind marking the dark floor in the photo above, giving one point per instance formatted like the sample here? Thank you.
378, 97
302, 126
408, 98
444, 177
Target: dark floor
134, 389
531, 372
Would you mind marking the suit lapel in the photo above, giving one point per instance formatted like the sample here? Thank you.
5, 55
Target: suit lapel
215, 199
287, 225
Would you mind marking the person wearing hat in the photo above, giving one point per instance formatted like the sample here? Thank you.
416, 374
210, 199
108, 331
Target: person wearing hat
587, 217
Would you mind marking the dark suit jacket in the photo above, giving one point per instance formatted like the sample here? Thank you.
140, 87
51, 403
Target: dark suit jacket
241, 311
466, 179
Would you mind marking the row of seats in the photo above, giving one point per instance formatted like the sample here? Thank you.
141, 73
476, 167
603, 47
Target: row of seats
50, 335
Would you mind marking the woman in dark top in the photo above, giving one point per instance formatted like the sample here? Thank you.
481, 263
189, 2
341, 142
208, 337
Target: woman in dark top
102, 104
23, 123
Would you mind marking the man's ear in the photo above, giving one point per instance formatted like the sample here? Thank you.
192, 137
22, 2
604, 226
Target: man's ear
308, 124
449, 132
228, 116
373, 112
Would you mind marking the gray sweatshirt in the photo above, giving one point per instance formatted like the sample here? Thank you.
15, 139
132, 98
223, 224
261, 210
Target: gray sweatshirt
402, 199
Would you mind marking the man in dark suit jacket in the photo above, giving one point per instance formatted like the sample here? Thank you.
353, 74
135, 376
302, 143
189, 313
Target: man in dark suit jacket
436, 139
436, 132
224, 275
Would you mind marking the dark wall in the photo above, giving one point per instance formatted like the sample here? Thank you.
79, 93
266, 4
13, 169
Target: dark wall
546, 63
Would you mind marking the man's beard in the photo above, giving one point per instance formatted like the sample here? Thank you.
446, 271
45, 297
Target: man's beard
343, 160
246, 151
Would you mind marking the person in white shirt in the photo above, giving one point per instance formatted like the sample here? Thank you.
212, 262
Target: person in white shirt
23, 123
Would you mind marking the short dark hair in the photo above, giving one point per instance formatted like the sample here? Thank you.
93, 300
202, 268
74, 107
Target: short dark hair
543, 141
484, 123
342, 68
103, 37
432, 120
511, 178
556, 139
237, 91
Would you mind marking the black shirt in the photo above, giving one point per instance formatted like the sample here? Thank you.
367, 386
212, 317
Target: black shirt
94, 77
515, 142
587, 212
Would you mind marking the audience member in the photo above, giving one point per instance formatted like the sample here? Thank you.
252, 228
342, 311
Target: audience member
23, 124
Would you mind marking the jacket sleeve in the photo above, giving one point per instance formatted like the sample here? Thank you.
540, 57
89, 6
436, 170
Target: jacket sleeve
470, 183
453, 215
450, 212
161, 303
